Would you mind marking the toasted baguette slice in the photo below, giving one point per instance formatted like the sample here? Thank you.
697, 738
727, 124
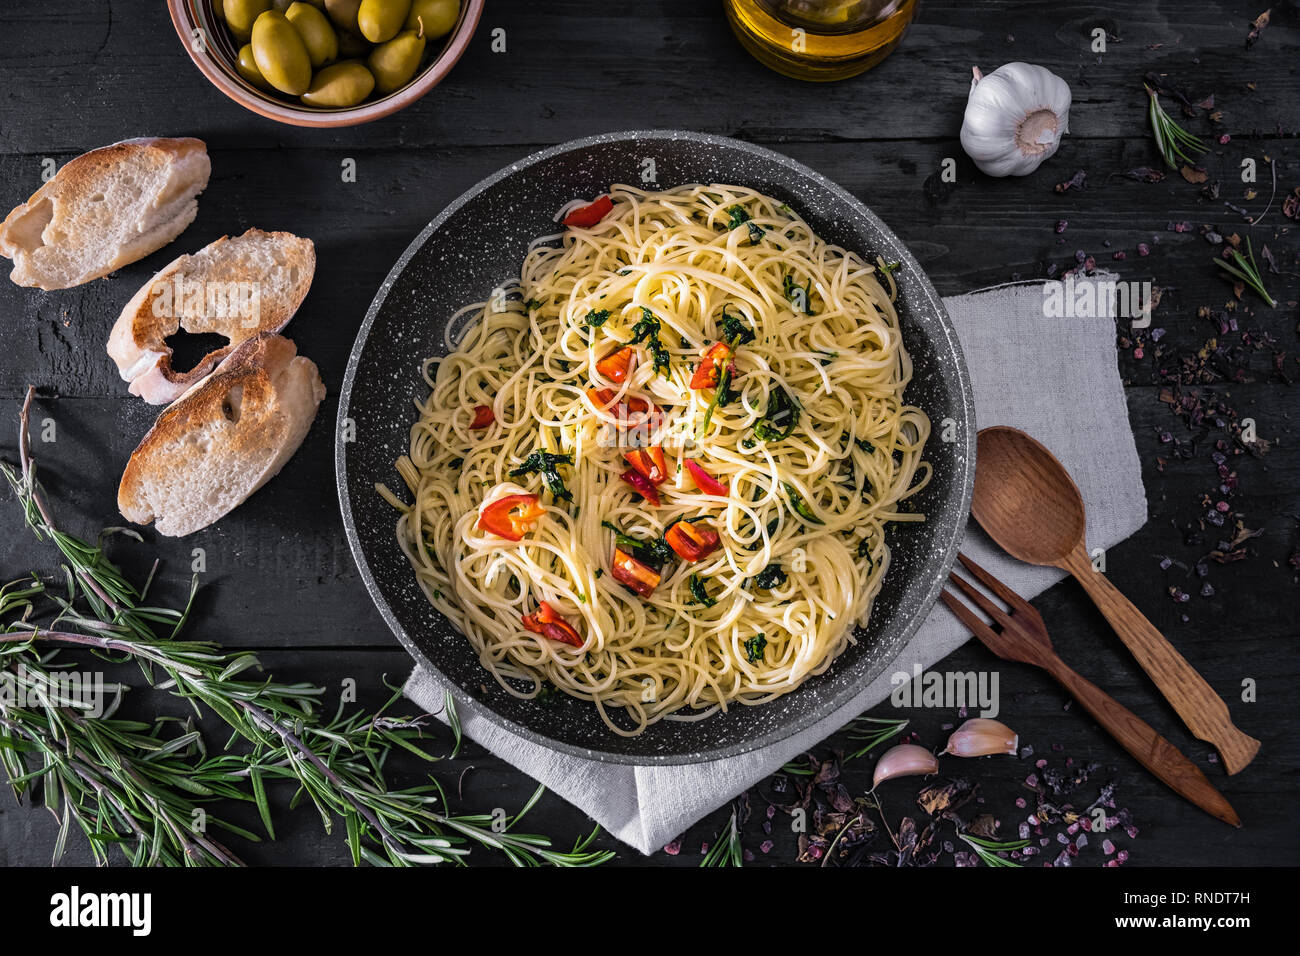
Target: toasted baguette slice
223, 439
236, 288
105, 209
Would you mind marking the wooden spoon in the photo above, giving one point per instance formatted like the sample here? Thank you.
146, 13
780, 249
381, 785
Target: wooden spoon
1028, 504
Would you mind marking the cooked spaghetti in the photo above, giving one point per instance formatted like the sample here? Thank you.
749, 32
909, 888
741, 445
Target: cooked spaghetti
656, 471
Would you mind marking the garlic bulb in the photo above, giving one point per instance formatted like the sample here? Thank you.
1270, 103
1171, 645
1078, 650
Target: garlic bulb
979, 737
1015, 117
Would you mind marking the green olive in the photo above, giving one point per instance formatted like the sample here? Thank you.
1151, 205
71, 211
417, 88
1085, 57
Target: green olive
380, 20
317, 35
339, 86
343, 14
242, 14
247, 67
280, 54
395, 62
352, 46
436, 16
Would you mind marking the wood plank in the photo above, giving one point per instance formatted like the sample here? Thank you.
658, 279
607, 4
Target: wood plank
967, 235
1172, 833
114, 67
279, 575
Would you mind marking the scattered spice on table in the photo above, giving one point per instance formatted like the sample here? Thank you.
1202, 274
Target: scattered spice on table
1257, 27
1078, 181
1067, 817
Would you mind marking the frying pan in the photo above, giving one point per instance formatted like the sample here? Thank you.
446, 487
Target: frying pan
479, 241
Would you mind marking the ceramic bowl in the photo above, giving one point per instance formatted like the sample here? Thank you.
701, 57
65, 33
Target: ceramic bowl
214, 51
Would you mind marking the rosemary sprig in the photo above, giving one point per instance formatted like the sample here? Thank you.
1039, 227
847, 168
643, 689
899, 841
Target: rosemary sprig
873, 731
453, 721
127, 784
1174, 142
726, 849
122, 782
798, 769
1246, 269
988, 850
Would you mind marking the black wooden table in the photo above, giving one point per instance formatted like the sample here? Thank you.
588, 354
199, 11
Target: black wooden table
279, 577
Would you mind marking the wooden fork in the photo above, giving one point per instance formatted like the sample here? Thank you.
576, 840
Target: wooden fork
1018, 634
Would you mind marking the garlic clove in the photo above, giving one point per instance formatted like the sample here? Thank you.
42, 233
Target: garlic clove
979, 737
1015, 118
905, 760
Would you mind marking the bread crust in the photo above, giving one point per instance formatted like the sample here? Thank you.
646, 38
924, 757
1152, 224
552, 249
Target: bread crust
27, 238
223, 439
166, 304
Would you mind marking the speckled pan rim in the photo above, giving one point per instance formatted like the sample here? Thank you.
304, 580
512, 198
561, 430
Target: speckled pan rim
940, 565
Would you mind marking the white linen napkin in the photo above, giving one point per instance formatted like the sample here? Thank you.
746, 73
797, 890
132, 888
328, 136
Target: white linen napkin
1055, 378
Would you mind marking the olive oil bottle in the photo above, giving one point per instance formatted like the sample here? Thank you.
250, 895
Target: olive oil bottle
820, 39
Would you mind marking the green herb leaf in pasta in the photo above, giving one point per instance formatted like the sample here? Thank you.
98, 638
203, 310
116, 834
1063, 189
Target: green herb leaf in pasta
770, 577
646, 326
740, 217
779, 418
754, 648
647, 329
699, 592
800, 296
733, 330
653, 554
799, 505
544, 463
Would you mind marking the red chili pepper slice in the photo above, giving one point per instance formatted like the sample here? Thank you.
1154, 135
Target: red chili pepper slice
631, 572
706, 482
649, 462
693, 541
709, 372
617, 364
642, 486
511, 516
483, 416
546, 622
587, 216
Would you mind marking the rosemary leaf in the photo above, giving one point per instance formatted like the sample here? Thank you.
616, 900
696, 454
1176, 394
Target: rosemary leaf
1246, 269
1174, 143
726, 849
987, 850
